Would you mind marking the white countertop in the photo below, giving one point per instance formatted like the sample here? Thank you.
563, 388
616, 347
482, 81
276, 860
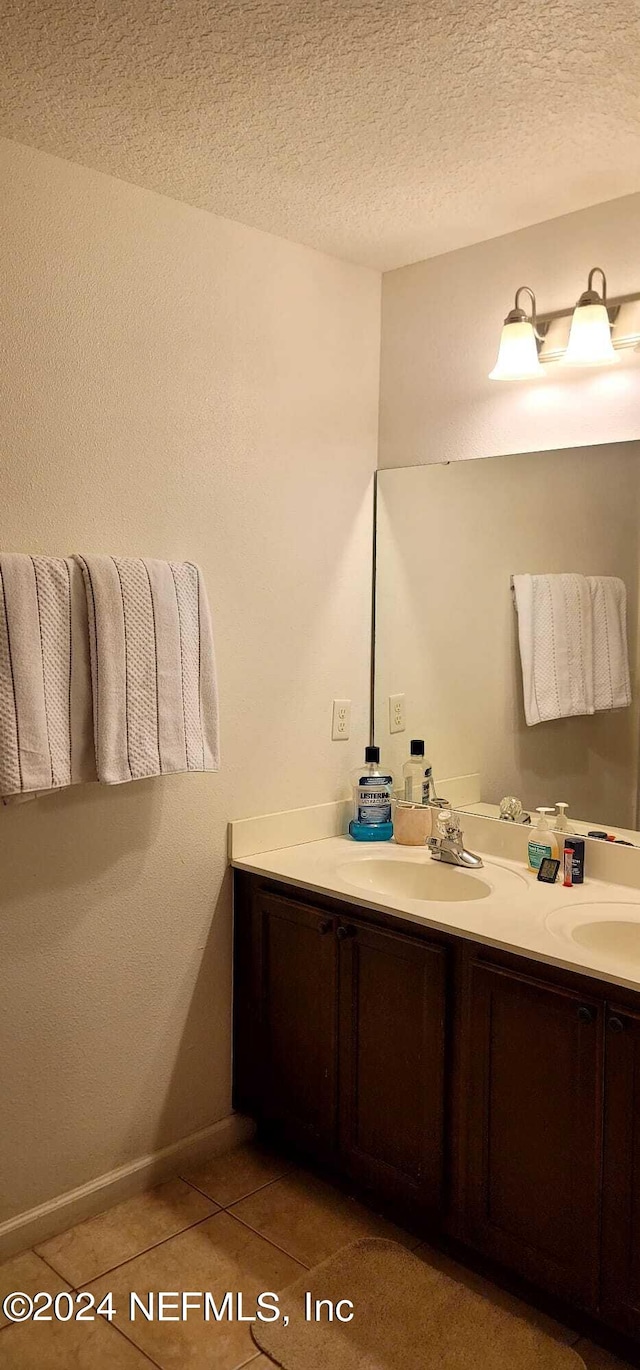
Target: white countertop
519, 914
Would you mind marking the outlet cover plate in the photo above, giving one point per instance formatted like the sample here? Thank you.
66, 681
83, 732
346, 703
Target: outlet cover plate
341, 720
397, 715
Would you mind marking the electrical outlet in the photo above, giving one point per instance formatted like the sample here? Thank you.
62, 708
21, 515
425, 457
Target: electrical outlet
397, 717
341, 720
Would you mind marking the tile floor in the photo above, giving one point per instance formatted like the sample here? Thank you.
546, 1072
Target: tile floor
247, 1221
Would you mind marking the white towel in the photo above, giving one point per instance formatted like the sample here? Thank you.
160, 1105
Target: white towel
155, 701
556, 645
46, 738
573, 650
612, 682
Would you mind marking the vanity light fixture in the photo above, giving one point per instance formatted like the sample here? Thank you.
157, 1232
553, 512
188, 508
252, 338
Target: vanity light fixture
593, 333
590, 336
517, 358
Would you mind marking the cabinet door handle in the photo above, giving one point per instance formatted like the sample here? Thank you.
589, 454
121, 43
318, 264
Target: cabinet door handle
585, 1014
344, 932
324, 927
616, 1025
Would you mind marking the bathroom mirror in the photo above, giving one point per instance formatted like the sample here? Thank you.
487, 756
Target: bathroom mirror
449, 538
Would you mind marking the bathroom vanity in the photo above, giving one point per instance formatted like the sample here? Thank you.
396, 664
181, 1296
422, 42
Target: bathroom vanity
459, 1055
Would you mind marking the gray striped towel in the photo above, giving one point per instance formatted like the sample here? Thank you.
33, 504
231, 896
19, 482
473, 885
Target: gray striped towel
46, 739
155, 700
106, 671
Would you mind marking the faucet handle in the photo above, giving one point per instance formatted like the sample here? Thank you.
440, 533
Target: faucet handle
449, 824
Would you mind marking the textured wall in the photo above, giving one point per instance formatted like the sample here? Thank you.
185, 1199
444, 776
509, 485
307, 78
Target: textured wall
382, 130
179, 386
441, 327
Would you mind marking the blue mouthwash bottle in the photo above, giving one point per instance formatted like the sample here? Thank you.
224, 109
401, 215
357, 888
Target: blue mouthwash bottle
372, 794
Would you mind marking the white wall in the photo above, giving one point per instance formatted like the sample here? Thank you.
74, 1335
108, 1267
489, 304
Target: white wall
440, 332
175, 385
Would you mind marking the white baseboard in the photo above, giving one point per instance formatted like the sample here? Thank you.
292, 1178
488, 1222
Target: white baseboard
37, 1224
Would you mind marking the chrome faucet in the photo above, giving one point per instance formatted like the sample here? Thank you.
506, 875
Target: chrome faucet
448, 845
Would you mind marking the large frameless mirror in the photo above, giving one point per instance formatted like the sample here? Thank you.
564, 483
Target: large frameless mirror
501, 585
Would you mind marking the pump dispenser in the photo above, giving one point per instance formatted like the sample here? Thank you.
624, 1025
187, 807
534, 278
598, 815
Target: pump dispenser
562, 823
372, 795
543, 841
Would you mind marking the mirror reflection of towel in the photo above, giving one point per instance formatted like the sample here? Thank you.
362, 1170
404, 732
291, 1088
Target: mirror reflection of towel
573, 644
611, 680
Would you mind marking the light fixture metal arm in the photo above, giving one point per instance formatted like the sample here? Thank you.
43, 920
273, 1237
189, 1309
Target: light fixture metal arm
519, 314
590, 289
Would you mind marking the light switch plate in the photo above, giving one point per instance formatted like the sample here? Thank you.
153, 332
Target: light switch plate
341, 720
397, 717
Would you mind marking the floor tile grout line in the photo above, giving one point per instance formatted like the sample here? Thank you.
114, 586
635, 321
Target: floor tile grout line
146, 1355
270, 1240
241, 1198
58, 1273
31, 1251
77, 1288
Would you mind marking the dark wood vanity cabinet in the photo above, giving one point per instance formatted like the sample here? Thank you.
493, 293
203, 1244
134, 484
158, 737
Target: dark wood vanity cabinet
533, 1130
488, 1097
621, 1188
340, 1041
299, 1002
391, 1063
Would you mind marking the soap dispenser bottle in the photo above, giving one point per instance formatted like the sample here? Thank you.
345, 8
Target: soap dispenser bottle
562, 823
372, 795
543, 841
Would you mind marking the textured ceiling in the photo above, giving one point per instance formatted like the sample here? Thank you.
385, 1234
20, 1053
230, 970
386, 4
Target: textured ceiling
382, 131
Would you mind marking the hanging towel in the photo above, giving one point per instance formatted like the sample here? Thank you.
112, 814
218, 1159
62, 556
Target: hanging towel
46, 739
155, 701
612, 682
555, 632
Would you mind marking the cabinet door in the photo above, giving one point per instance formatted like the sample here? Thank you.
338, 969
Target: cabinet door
299, 997
392, 1024
533, 1130
621, 1172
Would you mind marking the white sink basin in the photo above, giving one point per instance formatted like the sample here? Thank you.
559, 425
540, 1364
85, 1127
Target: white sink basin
611, 929
426, 879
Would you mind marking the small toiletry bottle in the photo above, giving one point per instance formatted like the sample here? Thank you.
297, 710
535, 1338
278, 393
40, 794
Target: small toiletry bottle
543, 841
372, 795
561, 824
428, 783
576, 846
413, 772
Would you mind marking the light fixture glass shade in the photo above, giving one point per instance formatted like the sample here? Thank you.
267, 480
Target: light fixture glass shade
517, 354
590, 337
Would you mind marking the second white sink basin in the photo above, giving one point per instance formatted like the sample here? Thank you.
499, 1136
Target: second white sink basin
611, 929
415, 880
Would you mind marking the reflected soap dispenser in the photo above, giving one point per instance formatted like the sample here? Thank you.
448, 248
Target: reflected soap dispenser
372, 795
562, 823
542, 842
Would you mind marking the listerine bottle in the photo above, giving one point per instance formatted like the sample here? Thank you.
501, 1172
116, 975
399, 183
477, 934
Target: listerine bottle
372, 795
